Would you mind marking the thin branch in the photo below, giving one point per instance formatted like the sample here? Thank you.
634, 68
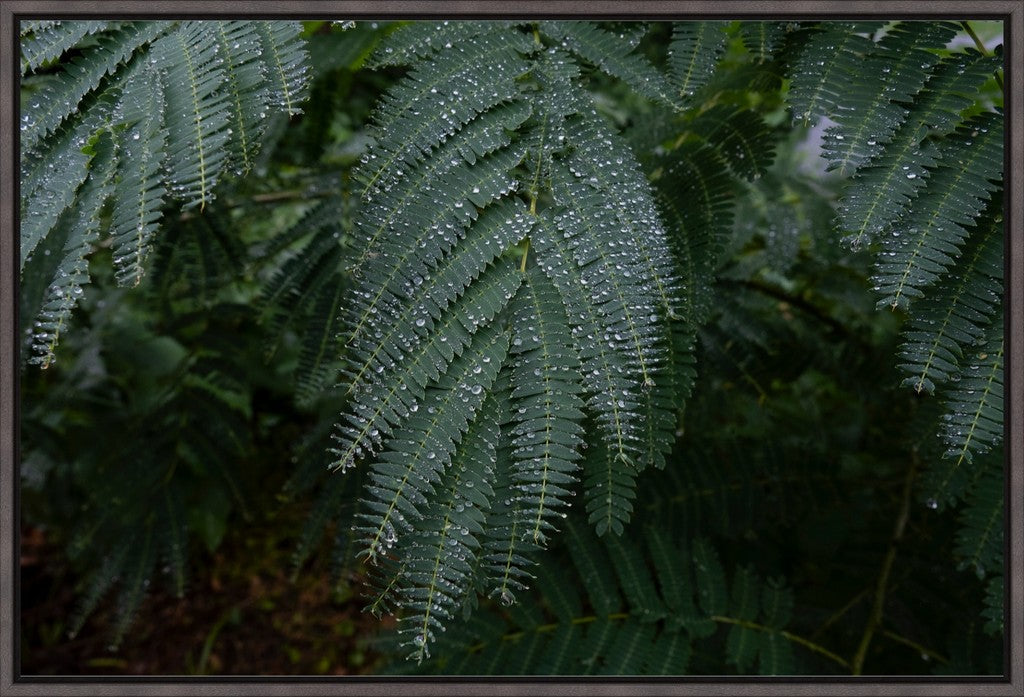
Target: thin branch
806, 643
550, 627
925, 652
983, 49
587, 619
878, 608
269, 197
837, 615
796, 301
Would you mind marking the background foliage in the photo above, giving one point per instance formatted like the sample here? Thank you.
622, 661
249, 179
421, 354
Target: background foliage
827, 490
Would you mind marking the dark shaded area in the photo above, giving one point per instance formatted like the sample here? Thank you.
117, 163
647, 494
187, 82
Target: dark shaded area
242, 615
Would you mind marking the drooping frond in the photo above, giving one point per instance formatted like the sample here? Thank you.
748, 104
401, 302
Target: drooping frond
506, 559
140, 190
614, 56
622, 306
50, 179
693, 55
647, 289
546, 405
979, 541
607, 373
883, 189
948, 324
183, 101
975, 404
875, 95
416, 456
241, 45
197, 111
285, 60
496, 199
414, 41
57, 100
319, 362
437, 568
46, 43
610, 486
762, 39
78, 228
923, 245
993, 612
829, 60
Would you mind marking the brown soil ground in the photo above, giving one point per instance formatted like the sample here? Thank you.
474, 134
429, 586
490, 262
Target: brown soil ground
242, 614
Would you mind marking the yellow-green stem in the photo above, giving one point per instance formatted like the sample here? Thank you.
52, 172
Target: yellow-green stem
925, 652
981, 47
526, 252
816, 648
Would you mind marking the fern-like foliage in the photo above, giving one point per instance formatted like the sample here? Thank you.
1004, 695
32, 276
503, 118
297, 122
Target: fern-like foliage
762, 39
305, 292
883, 189
980, 538
927, 188
892, 72
926, 159
182, 103
512, 253
949, 323
613, 54
693, 55
993, 612
525, 302
828, 60
75, 233
649, 609
42, 42
975, 405
920, 248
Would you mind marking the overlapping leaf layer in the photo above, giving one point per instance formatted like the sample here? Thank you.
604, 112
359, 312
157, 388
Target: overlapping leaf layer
141, 114
514, 301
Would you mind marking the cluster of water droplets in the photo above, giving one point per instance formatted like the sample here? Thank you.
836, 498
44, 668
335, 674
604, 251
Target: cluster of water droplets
973, 423
693, 54
410, 342
916, 256
426, 444
440, 96
547, 409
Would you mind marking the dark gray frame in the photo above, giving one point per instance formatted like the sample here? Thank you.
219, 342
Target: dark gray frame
1010, 11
